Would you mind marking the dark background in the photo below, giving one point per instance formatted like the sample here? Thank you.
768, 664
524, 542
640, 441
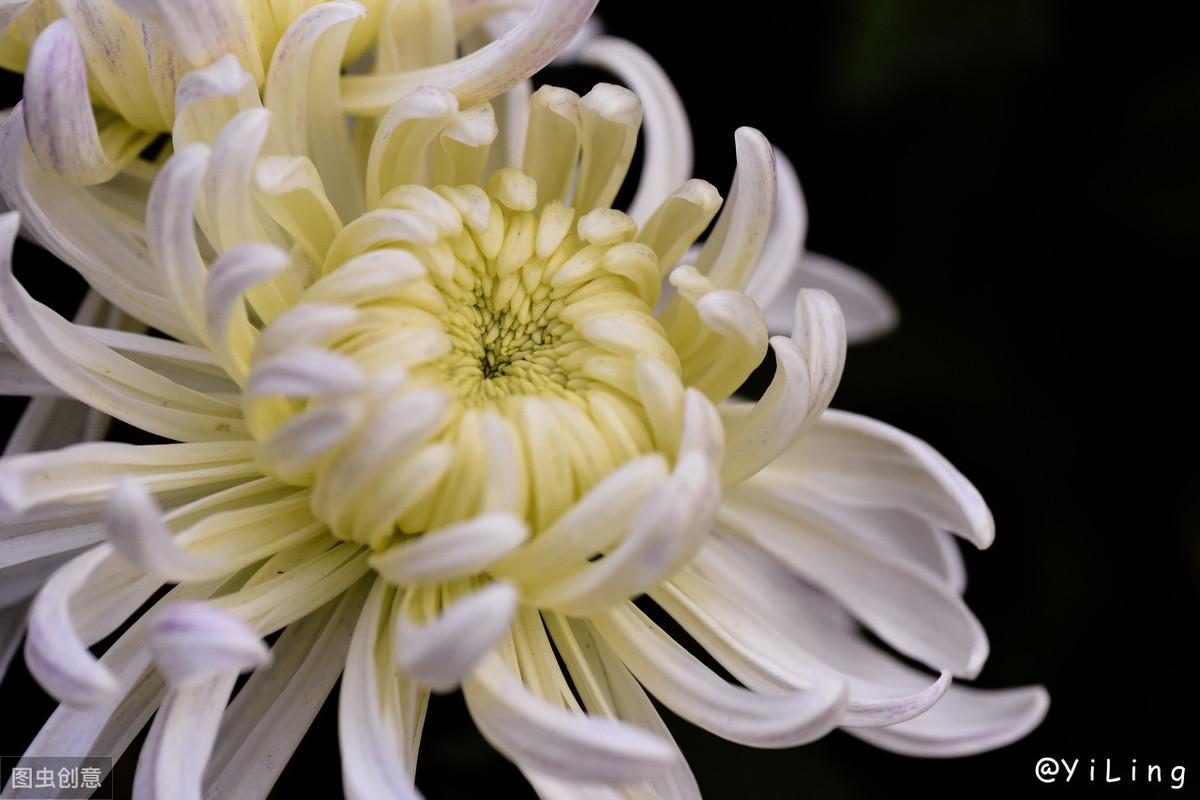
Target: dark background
1024, 177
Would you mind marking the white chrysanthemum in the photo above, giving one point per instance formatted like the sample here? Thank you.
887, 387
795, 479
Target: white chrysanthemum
435, 421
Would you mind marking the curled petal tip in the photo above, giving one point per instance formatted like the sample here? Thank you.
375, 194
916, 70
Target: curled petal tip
193, 641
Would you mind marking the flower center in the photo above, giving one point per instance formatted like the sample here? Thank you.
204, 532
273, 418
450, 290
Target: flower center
452, 334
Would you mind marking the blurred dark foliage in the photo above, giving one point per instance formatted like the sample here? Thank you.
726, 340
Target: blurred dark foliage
1024, 177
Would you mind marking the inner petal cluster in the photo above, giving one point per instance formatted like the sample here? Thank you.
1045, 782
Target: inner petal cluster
463, 350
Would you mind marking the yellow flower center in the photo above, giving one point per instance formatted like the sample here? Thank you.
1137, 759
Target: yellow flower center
474, 351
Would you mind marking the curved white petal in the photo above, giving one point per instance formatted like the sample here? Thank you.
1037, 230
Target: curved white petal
679, 220
683, 684
292, 451
441, 653
807, 371
203, 30
400, 151
609, 118
86, 472
551, 740
192, 642
227, 324
914, 612
967, 721
138, 534
459, 550
719, 334
200, 650
869, 311
171, 232
552, 142
669, 527
593, 523
306, 372
859, 462
668, 155
208, 98
484, 74
58, 114
731, 252
267, 719
231, 212
376, 711
306, 108
54, 652
108, 729
785, 243
765, 658
606, 687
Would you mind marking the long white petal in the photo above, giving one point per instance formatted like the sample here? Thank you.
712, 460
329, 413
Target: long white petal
236, 272
302, 94
200, 650
486, 73
108, 729
100, 242
55, 653
869, 311
785, 243
267, 719
789, 630
682, 683
375, 710
863, 463
668, 154
59, 117
401, 151
915, 613
967, 721
551, 740
669, 527
607, 687
730, 254
807, 371
610, 118
86, 472
170, 230
764, 658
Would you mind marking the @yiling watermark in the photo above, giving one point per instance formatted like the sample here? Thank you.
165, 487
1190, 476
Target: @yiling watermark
61, 777
1110, 771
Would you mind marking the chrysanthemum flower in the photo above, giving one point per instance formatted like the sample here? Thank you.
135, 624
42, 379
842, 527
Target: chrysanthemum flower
435, 418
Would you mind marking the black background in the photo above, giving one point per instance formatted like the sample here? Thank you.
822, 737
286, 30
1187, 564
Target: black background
1024, 177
